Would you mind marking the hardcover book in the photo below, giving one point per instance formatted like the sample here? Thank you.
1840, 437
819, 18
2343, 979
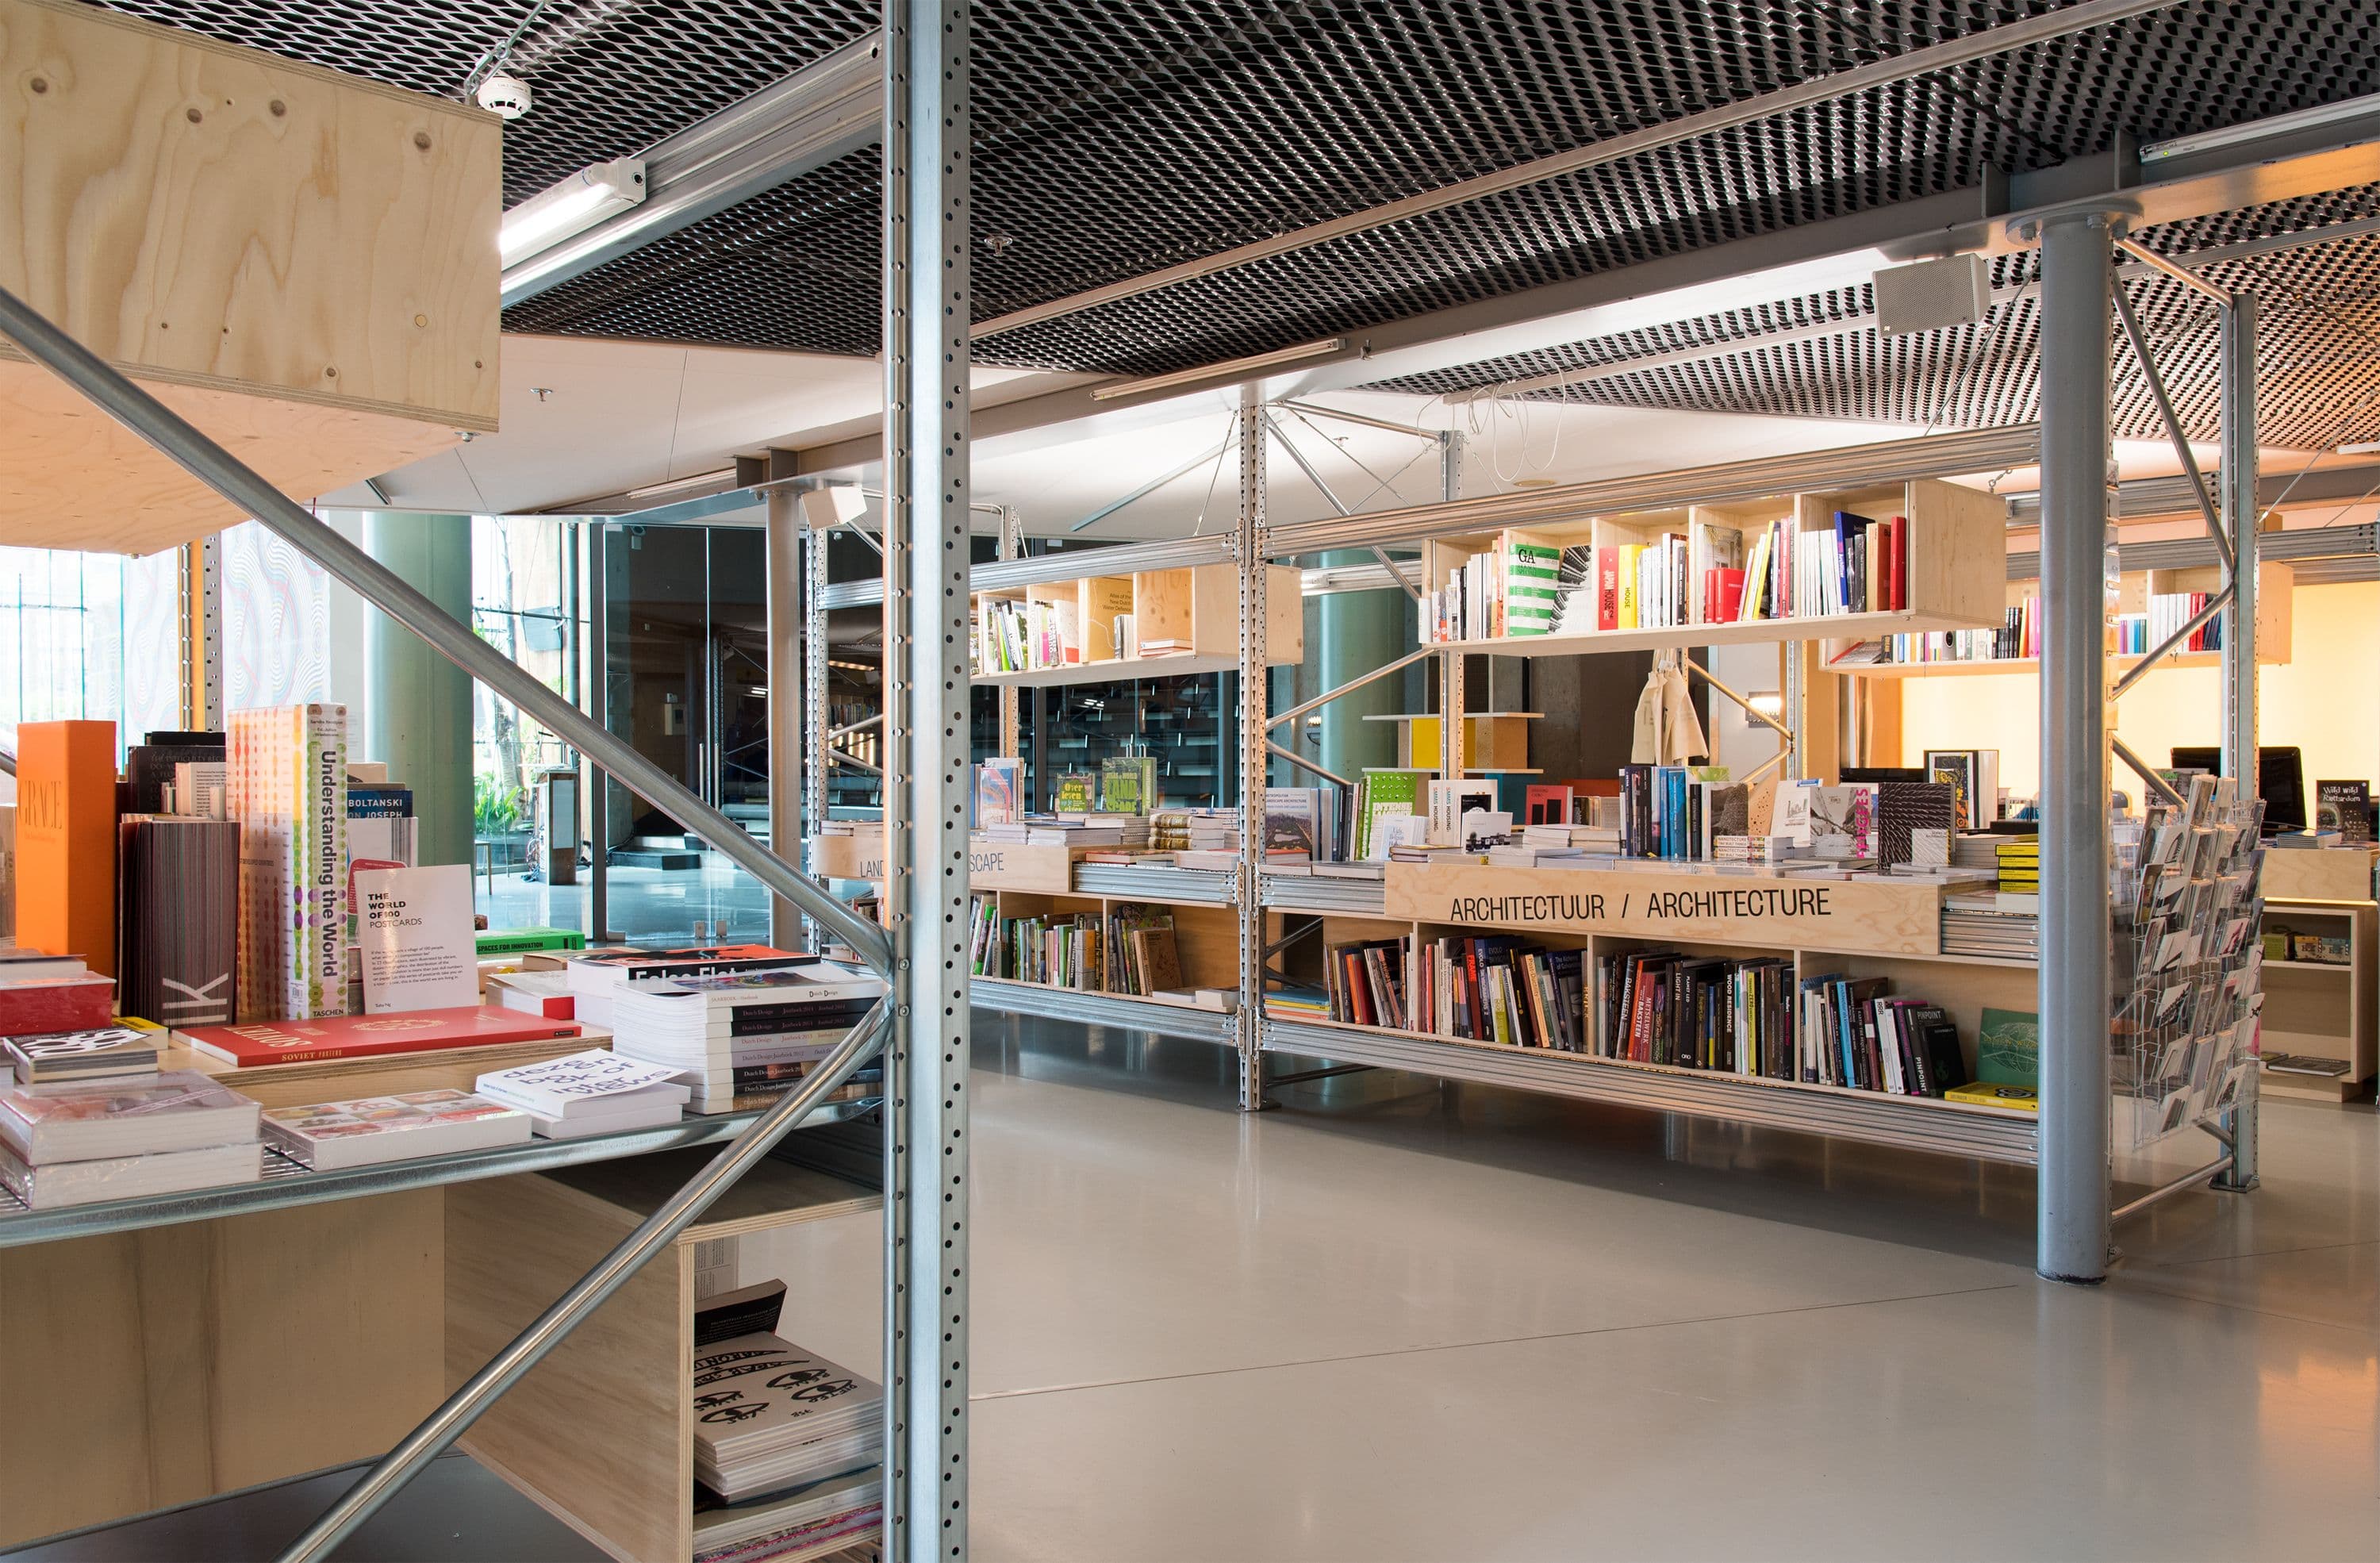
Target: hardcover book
367, 1131
81, 1055
181, 1109
1903, 808
88, 1182
38, 1006
151, 768
288, 786
66, 840
178, 884
2346, 808
355, 1037
2008, 1049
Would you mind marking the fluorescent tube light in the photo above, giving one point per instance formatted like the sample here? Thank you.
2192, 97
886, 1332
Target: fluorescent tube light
1204, 372
572, 206
2368, 447
2260, 129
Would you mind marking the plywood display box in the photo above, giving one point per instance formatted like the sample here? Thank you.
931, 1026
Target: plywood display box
302, 264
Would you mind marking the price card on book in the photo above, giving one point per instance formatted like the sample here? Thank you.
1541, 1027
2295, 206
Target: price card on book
415, 937
550, 1086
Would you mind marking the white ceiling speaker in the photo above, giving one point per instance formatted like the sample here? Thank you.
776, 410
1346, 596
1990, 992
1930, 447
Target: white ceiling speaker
506, 97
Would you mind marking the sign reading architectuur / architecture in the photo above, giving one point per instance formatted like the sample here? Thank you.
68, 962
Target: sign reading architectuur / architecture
1884, 917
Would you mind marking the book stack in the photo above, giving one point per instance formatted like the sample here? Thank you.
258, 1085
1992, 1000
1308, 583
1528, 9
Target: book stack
595, 1092
1123, 832
1983, 925
1679, 813
2018, 861
842, 1513
177, 886
1169, 830
369, 1131
1011, 636
125, 1137
770, 1416
288, 780
174, 773
1296, 1001
735, 1039
1211, 838
45, 994
597, 975
544, 994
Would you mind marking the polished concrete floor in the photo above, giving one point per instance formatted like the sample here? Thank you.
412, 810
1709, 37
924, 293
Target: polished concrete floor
1396, 1320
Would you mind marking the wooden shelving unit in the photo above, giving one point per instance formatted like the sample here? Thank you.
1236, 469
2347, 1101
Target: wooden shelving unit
1956, 556
1199, 605
2321, 1009
623, 1474
2275, 588
1494, 743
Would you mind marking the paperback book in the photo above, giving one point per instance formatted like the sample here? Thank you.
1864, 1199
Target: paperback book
81, 1055
140, 1114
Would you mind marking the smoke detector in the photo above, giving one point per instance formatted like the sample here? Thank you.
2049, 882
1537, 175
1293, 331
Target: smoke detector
506, 97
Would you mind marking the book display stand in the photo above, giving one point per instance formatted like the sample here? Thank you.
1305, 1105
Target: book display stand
1911, 554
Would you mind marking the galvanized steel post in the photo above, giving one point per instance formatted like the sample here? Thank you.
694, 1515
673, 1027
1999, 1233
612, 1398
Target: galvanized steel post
2077, 274
1254, 757
2242, 518
926, 302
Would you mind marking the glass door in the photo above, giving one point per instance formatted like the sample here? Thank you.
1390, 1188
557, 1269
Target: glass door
685, 681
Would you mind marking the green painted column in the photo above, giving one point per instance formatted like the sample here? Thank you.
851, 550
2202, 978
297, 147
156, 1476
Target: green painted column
1360, 631
416, 704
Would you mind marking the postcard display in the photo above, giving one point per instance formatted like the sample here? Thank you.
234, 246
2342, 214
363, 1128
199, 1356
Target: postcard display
2189, 967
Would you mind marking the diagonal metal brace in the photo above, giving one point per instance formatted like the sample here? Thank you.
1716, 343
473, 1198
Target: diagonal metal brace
2155, 381
252, 495
681, 1210
2174, 642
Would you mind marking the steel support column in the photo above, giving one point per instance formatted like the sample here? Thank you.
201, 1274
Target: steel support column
927, 172
202, 634
595, 700
2242, 517
1254, 742
788, 606
1449, 702
2078, 277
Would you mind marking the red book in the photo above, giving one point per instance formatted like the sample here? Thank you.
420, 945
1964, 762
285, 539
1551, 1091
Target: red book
1896, 564
362, 1036
1728, 597
1607, 588
37, 1006
1549, 805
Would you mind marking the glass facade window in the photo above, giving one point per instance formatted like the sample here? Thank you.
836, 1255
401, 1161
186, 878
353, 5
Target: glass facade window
91, 637
276, 622
524, 603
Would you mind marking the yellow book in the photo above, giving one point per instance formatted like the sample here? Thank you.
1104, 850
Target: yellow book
1628, 552
2024, 1098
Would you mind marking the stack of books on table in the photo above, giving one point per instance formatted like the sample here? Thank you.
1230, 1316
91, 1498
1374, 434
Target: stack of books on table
591, 1093
1297, 1000
1978, 923
46, 994
1980, 849
1585, 838
1013, 830
367, 1131
1128, 832
69, 1057
818, 1521
123, 1137
736, 1039
770, 1417
596, 977
365, 1036
2018, 860
1522, 855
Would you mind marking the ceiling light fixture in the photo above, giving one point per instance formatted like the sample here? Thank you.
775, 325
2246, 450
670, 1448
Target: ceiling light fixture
570, 207
2367, 447
2261, 129
1204, 372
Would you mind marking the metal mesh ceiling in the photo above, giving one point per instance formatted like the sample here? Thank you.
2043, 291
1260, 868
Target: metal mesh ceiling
1116, 136
2318, 346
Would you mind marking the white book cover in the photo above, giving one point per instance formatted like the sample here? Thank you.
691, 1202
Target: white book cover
1448, 803
1793, 816
414, 936
181, 1109
129, 1177
598, 1081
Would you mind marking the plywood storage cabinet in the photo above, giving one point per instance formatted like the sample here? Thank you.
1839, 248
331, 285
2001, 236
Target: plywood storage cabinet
302, 264
599, 1432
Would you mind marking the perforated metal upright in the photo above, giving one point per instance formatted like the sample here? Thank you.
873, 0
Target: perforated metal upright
927, 130
2242, 518
1249, 555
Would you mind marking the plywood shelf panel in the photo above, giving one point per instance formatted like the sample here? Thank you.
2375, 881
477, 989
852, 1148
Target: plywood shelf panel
301, 263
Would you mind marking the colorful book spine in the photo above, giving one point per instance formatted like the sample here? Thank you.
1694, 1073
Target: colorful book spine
288, 785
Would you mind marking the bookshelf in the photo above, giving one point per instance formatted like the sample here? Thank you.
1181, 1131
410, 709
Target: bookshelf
1957, 546
1198, 607
624, 1476
1494, 743
2318, 1009
2275, 588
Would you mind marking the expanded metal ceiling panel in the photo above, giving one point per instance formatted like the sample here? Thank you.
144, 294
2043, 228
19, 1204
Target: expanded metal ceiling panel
2318, 344
1118, 137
